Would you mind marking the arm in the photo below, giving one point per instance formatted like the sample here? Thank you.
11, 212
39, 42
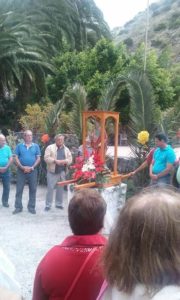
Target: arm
171, 158
166, 171
37, 162
25, 169
140, 168
9, 162
38, 291
67, 160
38, 157
153, 176
4, 169
17, 162
48, 157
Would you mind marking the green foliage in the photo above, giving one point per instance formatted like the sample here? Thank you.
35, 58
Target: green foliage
30, 34
34, 117
171, 120
94, 68
174, 21
78, 98
175, 69
128, 42
143, 111
160, 26
52, 118
101, 82
159, 77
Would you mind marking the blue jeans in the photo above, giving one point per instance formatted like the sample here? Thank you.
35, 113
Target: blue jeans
31, 179
6, 186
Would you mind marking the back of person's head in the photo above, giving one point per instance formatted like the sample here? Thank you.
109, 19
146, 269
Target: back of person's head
144, 247
86, 212
161, 137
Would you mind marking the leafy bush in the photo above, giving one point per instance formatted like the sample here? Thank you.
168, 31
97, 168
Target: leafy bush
160, 26
35, 117
174, 21
129, 42
158, 43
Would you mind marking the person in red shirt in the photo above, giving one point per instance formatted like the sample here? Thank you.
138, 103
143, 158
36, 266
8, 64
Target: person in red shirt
72, 269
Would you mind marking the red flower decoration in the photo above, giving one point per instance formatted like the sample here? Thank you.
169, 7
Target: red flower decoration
90, 168
45, 138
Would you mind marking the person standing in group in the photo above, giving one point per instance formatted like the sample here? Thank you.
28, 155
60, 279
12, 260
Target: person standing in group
163, 160
72, 269
57, 157
27, 158
142, 258
5, 161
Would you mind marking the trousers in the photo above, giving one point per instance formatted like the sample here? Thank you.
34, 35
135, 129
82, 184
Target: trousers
31, 179
5, 177
52, 180
162, 180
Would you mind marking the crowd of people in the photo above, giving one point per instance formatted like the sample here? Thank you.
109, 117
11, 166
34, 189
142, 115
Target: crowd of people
27, 156
141, 258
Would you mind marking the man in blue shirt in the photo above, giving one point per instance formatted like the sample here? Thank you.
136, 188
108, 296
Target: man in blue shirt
27, 158
5, 161
163, 160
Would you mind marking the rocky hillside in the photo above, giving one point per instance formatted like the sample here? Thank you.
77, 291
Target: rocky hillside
164, 28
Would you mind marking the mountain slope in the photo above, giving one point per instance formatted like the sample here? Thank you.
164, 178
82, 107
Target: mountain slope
164, 28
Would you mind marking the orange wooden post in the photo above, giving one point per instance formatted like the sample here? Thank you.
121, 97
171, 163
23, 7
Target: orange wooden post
116, 144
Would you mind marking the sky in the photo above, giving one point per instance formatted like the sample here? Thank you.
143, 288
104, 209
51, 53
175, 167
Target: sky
118, 12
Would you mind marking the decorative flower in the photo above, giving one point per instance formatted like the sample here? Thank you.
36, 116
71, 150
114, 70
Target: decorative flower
45, 138
89, 169
143, 137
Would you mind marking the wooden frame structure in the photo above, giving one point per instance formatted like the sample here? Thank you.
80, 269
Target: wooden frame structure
102, 117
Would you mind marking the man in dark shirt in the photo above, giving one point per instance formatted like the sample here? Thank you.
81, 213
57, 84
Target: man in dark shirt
57, 157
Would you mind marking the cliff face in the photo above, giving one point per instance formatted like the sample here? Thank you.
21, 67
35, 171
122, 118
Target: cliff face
164, 28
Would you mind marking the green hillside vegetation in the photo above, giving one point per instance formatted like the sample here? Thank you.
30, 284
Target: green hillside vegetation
58, 59
164, 28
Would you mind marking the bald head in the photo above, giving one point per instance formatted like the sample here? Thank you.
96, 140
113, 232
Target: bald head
2, 140
28, 136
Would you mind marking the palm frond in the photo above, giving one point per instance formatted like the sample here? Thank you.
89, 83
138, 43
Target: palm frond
78, 98
51, 121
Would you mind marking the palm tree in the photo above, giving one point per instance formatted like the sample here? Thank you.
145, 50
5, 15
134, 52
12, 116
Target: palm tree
78, 98
23, 56
31, 32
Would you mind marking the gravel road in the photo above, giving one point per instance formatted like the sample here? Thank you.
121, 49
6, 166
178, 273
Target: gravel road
25, 238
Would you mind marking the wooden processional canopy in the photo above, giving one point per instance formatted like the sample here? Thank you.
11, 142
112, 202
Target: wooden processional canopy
102, 117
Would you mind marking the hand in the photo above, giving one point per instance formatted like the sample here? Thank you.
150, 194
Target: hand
132, 173
60, 162
3, 169
154, 177
27, 169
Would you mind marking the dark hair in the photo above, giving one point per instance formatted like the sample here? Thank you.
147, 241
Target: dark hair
144, 247
161, 137
86, 212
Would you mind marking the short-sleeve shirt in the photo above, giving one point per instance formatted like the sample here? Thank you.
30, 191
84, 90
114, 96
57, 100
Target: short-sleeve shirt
161, 158
5, 154
27, 155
